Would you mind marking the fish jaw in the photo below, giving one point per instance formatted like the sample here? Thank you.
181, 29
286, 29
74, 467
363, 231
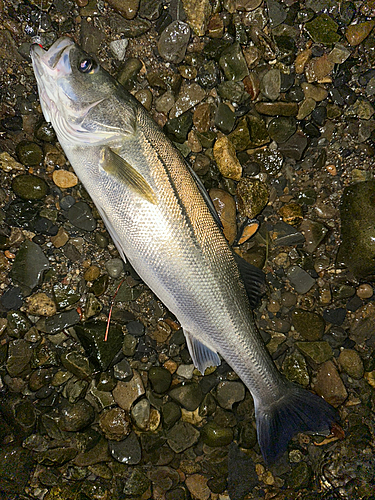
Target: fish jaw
49, 66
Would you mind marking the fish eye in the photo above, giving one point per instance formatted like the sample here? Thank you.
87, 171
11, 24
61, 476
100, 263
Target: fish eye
87, 65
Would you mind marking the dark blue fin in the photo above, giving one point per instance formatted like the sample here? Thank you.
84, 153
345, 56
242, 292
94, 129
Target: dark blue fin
253, 278
297, 411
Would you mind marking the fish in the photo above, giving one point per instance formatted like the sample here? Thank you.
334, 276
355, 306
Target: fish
162, 221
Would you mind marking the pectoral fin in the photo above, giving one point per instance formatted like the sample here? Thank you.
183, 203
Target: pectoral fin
119, 168
202, 356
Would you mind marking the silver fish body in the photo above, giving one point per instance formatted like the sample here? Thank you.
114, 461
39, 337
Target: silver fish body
160, 222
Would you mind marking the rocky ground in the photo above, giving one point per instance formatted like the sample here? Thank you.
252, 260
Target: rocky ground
272, 104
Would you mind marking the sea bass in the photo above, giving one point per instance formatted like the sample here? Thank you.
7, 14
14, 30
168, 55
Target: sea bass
161, 220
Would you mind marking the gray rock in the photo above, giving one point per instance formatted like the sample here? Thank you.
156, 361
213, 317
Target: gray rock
128, 451
271, 84
182, 436
115, 267
189, 395
229, 392
77, 416
80, 216
28, 266
125, 393
19, 355
300, 279
173, 41
284, 235
58, 322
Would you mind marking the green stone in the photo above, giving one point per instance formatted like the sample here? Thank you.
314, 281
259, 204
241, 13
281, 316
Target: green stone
100, 285
171, 413
29, 153
18, 324
160, 379
281, 128
29, 187
233, 63
129, 72
252, 196
215, 48
77, 364
45, 132
319, 352
269, 161
177, 129
231, 91
136, 483
99, 351
189, 395
240, 137
224, 118
357, 210
300, 476
258, 131
308, 324
129, 345
28, 266
213, 435
323, 29
65, 295
295, 369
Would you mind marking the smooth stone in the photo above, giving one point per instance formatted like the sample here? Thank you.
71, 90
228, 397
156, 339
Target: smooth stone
150, 9
356, 33
80, 216
8, 163
128, 75
198, 13
229, 392
300, 476
362, 108
270, 84
178, 128
277, 108
171, 413
351, 363
208, 75
77, 364
233, 63
125, 393
226, 209
308, 324
240, 137
214, 435
319, 352
60, 239
118, 48
335, 316
190, 95
115, 424
127, 9
329, 384
314, 233
101, 398
29, 153
128, 451
29, 187
315, 92
231, 91
306, 107
141, 414
291, 213
189, 396
122, 370
100, 352
226, 159
28, 266
224, 118
19, 355
182, 436
186, 371
318, 68
56, 457
65, 295
300, 279
281, 128
77, 416
115, 267
160, 379
173, 41
252, 196
129, 28
294, 147
64, 179
295, 369
165, 102
257, 130
12, 298
197, 486
58, 322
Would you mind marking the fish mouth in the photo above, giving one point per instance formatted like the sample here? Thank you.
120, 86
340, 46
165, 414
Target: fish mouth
50, 65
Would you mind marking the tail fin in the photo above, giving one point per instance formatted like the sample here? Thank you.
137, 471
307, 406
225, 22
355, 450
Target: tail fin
297, 411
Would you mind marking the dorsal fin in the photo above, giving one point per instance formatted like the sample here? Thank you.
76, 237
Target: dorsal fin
253, 278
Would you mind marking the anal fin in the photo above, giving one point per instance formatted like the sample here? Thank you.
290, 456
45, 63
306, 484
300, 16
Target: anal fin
202, 356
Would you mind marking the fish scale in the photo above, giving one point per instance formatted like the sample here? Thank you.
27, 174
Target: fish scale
162, 221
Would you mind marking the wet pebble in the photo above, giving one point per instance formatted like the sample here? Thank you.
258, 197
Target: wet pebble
229, 392
40, 304
319, 352
197, 486
115, 424
29, 265
335, 316
125, 393
77, 364
29, 187
177, 128
300, 279
173, 41
118, 48
114, 267
214, 435
182, 436
189, 395
29, 153
252, 196
189, 96
365, 291
323, 29
351, 363
295, 369
19, 356
198, 14
356, 33
277, 108
64, 179
76, 416
128, 451
329, 384
58, 322
160, 379
80, 216
60, 238
281, 128
226, 209
308, 324
127, 9
226, 159
233, 63
314, 234
224, 118
271, 84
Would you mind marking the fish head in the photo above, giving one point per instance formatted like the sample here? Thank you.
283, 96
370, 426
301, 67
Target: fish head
71, 85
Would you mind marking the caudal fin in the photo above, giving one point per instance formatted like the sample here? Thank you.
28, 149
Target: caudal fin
297, 411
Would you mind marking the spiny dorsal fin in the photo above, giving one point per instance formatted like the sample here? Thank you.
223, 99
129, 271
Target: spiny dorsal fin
253, 278
119, 168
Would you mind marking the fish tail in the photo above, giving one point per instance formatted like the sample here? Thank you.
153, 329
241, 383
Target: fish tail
298, 410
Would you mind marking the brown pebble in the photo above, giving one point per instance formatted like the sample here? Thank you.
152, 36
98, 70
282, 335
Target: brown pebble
92, 273
60, 239
202, 117
351, 362
331, 169
64, 179
226, 208
115, 424
40, 304
365, 291
301, 61
356, 33
318, 68
329, 384
252, 85
248, 232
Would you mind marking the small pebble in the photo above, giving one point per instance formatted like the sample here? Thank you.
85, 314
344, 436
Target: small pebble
64, 179
365, 291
